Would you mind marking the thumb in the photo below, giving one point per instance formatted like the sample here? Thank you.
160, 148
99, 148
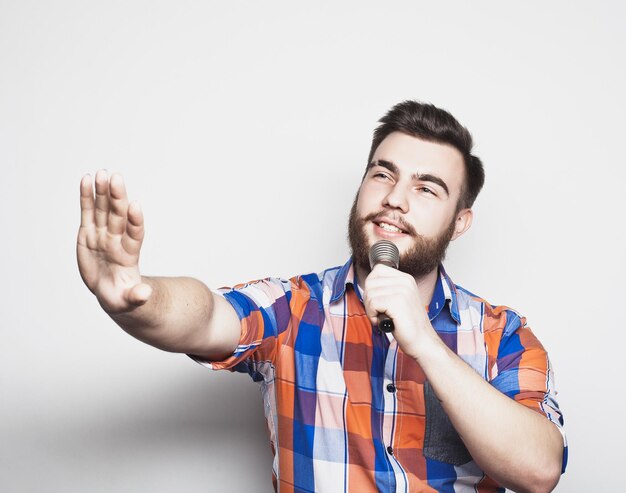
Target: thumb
139, 294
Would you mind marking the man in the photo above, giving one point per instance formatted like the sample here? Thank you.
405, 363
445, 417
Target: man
459, 397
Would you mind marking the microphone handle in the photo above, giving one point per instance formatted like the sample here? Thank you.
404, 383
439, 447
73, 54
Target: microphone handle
385, 323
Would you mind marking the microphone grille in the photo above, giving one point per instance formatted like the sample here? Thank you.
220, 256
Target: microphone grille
384, 251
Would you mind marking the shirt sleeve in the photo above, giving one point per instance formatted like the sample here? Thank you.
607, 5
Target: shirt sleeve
263, 310
524, 373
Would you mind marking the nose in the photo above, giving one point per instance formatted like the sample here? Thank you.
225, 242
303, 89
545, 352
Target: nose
397, 198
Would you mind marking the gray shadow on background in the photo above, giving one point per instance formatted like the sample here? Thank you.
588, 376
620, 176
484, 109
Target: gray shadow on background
161, 442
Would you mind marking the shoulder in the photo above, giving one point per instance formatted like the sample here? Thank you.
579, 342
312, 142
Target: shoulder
493, 317
316, 284
303, 285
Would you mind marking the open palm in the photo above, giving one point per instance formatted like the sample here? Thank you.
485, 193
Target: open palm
109, 241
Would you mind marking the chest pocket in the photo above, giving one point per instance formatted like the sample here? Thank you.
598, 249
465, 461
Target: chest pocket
441, 440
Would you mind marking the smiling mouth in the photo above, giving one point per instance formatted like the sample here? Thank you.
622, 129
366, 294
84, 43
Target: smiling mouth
389, 227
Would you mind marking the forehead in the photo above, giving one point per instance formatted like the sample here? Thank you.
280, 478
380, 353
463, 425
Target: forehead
414, 155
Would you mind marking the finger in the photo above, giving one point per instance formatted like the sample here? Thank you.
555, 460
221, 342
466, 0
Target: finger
87, 233
86, 202
379, 299
390, 278
87, 238
139, 294
382, 270
102, 198
371, 312
376, 281
376, 274
395, 284
118, 205
133, 238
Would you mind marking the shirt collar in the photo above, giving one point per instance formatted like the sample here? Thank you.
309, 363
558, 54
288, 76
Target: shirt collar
344, 277
445, 290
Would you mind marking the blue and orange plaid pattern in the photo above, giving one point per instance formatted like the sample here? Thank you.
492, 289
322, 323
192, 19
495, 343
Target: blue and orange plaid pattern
346, 410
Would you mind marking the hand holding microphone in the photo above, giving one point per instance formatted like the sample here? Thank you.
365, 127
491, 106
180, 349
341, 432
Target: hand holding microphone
384, 252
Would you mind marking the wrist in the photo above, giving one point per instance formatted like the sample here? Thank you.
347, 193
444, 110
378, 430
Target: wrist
430, 350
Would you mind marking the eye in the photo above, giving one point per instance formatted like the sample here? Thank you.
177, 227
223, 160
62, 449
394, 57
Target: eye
427, 190
381, 175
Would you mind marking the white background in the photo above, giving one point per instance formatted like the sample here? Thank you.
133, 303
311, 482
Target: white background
242, 128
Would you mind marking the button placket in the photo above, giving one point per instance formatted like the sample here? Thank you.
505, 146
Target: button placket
389, 397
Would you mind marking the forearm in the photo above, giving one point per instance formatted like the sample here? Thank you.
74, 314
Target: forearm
514, 445
175, 318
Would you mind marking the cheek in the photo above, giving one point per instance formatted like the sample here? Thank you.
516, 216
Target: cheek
373, 193
365, 202
429, 221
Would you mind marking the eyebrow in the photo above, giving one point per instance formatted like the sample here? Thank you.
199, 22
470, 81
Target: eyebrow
425, 177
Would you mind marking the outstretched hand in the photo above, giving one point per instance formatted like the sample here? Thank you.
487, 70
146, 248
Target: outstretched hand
109, 240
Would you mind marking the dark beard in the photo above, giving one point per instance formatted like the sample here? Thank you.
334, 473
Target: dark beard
422, 258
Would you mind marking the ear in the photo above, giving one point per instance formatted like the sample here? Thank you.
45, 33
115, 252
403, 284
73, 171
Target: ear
462, 222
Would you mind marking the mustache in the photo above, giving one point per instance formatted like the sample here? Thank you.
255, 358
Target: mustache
380, 216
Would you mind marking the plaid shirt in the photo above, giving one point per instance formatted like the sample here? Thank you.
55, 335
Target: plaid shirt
347, 410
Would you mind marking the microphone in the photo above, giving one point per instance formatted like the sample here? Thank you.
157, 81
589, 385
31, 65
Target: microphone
384, 252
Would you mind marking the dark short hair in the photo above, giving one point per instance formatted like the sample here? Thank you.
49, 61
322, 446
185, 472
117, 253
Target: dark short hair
428, 122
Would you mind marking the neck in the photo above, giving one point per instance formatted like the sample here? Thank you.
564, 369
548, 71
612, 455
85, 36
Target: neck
425, 284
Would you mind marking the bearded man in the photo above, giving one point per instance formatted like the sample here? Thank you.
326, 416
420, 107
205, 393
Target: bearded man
459, 397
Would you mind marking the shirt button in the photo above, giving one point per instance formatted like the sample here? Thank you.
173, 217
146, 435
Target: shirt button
390, 450
391, 387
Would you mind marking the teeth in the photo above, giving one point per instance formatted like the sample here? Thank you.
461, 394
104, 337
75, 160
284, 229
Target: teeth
389, 227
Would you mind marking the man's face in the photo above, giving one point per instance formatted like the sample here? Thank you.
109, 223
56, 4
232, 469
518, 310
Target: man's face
409, 196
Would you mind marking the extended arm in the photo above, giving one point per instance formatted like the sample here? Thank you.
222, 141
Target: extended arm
514, 445
174, 314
